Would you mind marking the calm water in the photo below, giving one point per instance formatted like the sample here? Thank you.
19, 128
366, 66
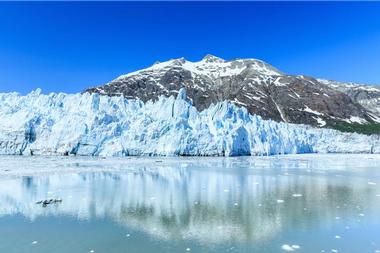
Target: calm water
305, 203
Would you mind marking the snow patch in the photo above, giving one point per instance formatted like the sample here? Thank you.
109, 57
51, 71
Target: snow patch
307, 109
355, 119
320, 121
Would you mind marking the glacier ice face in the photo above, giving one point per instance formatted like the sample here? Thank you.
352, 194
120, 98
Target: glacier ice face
92, 124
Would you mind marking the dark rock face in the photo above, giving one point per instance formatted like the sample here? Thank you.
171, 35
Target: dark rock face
259, 87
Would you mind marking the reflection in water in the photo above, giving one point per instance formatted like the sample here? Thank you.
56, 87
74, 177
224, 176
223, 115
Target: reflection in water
246, 200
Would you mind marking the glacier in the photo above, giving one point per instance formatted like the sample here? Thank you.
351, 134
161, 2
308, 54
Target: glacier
99, 125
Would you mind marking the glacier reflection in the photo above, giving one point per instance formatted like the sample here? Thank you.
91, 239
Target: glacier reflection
210, 200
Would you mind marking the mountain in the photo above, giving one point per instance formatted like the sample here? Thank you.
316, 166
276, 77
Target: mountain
91, 124
366, 95
256, 85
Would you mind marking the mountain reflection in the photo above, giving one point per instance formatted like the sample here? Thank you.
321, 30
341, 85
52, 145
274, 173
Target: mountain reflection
193, 201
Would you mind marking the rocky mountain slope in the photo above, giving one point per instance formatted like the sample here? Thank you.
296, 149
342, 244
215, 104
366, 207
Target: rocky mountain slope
259, 87
366, 95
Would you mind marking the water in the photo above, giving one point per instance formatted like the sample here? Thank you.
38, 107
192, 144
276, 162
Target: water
300, 203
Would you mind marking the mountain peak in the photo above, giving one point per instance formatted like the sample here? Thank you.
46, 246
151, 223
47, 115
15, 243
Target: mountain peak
251, 83
179, 61
212, 58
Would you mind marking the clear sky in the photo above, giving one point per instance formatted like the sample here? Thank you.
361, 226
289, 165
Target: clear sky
68, 46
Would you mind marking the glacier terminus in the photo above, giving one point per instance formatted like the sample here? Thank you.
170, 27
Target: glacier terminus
99, 125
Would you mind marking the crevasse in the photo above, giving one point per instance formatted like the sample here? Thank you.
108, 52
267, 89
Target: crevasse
96, 125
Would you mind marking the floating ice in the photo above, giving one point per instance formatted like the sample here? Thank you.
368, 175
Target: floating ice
287, 247
92, 124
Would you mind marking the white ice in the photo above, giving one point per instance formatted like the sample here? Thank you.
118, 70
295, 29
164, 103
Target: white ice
96, 125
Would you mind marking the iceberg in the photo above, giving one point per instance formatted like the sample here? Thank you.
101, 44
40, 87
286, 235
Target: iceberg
99, 125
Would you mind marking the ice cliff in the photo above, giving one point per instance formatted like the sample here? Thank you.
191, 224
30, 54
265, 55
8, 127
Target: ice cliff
92, 124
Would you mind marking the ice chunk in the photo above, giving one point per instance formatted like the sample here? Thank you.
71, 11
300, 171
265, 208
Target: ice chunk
287, 247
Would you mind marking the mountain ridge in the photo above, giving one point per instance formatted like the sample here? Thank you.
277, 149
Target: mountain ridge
261, 88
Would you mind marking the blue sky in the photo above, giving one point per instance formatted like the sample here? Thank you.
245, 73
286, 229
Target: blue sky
68, 46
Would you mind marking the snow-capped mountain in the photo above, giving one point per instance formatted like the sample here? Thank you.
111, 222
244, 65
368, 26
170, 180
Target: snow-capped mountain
91, 124
251, 83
